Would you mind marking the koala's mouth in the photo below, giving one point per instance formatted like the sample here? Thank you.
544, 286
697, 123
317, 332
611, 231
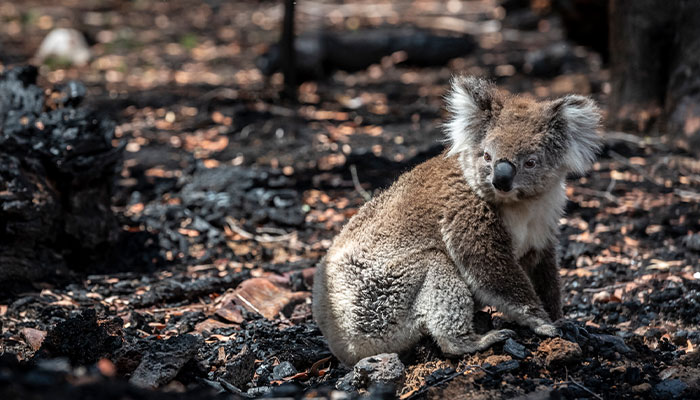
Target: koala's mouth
506, 197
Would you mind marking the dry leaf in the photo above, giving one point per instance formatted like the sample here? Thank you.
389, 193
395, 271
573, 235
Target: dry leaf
210, 324
265, 298
33, 337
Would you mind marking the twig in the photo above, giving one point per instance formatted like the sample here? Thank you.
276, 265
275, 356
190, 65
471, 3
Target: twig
265, 238
592, 192
248, 303
611, 185
639, 141
358, 186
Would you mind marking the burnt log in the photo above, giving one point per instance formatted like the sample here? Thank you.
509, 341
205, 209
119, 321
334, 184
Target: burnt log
320, 53
655, 68
57, 168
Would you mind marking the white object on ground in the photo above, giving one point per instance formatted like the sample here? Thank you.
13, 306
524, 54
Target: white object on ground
65, 44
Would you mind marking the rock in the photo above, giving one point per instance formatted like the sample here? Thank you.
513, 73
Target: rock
34, 337
260, 391
164, 360
557, 351
515, 349
669, 389
346, 382
283, 370
379, 369
240, 370
264, 297
689, 375
66, 46
80, 339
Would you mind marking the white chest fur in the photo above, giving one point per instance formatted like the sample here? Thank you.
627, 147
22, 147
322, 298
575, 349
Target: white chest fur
533, 224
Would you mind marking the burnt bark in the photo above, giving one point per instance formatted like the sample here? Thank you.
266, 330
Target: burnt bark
288, 53
57, 167
655, 68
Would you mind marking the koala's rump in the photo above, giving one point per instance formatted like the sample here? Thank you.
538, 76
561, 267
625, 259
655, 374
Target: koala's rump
366, 289
364, 308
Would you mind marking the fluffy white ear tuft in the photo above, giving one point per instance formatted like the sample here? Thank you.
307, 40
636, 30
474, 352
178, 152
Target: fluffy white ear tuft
469, 102
581, 118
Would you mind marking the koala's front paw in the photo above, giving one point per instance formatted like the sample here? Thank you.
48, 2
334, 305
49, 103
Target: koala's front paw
503, 335
546, 330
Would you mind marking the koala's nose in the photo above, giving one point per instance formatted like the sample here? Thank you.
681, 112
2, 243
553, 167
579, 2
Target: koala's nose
503, 173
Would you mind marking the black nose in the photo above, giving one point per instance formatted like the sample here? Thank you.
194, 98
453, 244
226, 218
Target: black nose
503, 173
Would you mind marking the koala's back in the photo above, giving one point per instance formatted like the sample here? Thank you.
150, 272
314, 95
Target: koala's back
368, 284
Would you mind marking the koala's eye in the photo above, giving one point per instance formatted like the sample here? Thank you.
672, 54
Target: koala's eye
530, 163
487, 156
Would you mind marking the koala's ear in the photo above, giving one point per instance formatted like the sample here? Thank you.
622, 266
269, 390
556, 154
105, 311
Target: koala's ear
577, 118
470, 103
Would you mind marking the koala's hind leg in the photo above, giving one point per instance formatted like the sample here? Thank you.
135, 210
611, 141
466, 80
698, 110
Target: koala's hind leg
445, 309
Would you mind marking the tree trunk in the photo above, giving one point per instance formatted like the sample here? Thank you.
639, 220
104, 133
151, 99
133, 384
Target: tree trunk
655, 67
288, 53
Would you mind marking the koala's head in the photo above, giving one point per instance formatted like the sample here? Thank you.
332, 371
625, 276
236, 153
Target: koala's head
514, 148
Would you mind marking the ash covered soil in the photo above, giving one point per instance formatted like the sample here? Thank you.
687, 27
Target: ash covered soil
172, 255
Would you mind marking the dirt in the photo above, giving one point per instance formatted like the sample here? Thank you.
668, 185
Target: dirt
226, 197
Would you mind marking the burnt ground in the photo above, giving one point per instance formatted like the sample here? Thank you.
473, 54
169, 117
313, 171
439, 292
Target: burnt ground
227, 196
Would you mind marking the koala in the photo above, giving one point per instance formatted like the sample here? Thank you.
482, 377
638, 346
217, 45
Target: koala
475, 225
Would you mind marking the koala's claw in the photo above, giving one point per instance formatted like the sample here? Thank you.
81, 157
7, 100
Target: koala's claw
547, 330
505, 334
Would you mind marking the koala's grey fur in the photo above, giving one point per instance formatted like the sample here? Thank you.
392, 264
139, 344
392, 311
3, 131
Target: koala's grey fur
414, 259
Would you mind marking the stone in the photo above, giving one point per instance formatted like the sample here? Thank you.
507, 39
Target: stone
163, 361
380, 369
669, 389
241, 368
346, 382
283, 370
